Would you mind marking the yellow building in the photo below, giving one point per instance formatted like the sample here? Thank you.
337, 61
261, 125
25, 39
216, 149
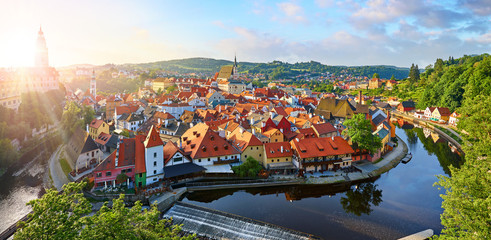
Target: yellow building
248, 144
441, 114
278, 157
274, 135
96, 127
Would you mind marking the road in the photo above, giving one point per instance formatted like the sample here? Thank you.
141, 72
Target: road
57, 175
438, 124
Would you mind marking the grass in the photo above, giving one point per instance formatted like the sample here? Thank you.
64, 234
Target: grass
65, 166
378, 160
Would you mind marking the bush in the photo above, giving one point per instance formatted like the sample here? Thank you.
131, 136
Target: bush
250, 168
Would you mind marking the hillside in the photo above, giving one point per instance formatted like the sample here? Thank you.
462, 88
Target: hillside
274, 70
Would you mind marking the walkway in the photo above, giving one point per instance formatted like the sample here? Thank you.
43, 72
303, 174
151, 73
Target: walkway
438, 124
57, 175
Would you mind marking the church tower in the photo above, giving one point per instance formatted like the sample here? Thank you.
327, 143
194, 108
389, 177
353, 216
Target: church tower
41, 50
234, 70
93, 85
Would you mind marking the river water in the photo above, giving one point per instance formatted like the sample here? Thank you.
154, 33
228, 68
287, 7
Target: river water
400, 202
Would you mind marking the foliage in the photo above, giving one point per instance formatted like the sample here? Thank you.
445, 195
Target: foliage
170, 89
56, 215
376, 75
358, 201
65, 216
8, 153
414, 74
75, 117
467, 202
450, 82
250, 168
359, 130
121, 178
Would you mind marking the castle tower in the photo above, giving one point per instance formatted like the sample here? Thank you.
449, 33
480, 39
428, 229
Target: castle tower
41, 50
93, 85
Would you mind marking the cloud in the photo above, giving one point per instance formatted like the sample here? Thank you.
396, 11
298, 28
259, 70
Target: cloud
479, 7
403, 47
427, 14
218, 23
324, 3
291, 12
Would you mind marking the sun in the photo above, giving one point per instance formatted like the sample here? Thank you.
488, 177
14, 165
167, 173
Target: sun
19, 48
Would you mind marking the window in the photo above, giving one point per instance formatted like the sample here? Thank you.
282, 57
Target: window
128, 170
199, 160
92, 154
260, 155
245, 156
155, 163
99, 174
154, 171
272, 160
108, 174
257, 148
178, 159
154, 154
278, 160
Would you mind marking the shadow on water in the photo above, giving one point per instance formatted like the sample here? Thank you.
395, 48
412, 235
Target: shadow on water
359, 200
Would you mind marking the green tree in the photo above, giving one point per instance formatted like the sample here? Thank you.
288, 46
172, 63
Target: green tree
376, 75
65, 216
359, 130
8, 154
56, 215
467, 199
392, 78
414, 74
439, 65
250, 168
72, 118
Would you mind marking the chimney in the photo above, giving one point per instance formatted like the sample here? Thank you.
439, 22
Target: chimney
166, 123
310, 115
263, 124
281, 149
332, 138
360, 97
159, 121
253, 131
117, 152
87, 127
281, 130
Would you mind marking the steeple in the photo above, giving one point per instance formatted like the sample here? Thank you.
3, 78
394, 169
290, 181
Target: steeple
41, 59
93, 85
234, 69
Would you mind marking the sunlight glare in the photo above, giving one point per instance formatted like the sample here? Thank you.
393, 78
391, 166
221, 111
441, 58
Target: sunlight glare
20, 48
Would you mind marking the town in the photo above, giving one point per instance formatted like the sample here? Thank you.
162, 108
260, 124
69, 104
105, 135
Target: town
157, 135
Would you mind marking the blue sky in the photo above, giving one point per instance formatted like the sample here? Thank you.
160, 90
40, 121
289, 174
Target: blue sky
332, 32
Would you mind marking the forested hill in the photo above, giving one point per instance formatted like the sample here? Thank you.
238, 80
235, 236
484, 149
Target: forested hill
274, 70
456, 83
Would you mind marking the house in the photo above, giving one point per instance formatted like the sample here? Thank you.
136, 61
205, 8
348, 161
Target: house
232, 86
374, 83
325, 130
106, 142
175, 109
96, 127
391, 84
440, 114
419, 114
247, 143
89, 155
384, 136
214, 96
190, 117
274, 135
428, 111
335, 109
454, 119
206, 147
173, 127
178, 165
406, 106
278, 157
111, 103
319, 154
130, 121
121, 161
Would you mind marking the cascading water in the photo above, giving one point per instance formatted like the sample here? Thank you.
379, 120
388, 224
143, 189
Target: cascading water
216, 224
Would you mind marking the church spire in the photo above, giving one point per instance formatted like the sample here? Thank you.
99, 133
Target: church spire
234, 69
41, 59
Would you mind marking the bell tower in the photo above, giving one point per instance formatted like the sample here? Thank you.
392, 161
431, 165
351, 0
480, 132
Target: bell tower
41, 50
93, 85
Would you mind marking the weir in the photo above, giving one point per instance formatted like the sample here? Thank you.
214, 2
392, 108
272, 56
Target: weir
221, 225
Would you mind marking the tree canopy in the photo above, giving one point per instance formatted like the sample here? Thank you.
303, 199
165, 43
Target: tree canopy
359, 130
65, 216
250, 168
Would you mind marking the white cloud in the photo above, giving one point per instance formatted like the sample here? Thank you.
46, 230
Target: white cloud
291, 12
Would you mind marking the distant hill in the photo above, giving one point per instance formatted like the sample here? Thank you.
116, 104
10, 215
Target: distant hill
274, 70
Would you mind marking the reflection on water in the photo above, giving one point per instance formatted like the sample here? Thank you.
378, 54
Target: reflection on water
400, 202
359, 199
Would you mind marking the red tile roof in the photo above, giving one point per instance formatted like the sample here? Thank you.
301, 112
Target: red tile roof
324, 128
153, 139
170, 149
139, 154
320, 147
96, 123
202, 142
274, 150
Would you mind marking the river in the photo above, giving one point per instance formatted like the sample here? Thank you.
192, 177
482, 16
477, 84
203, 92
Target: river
400, 202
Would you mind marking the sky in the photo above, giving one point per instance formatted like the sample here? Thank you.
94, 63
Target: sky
332, 32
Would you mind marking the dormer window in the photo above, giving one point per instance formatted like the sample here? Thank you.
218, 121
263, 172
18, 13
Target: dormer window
215, 148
